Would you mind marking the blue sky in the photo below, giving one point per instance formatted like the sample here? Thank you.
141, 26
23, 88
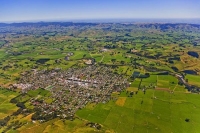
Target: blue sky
28, 10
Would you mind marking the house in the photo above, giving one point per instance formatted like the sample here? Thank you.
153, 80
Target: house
67, 58
134, 51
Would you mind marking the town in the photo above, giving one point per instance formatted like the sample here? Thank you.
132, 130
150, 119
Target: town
72, 89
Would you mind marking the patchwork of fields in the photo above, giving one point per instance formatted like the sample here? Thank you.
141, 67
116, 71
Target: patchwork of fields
142, 53
159, 82
154, 111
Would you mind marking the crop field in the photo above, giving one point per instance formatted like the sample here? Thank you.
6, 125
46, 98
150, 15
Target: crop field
154, 111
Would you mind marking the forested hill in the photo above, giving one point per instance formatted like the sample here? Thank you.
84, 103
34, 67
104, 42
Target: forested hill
160, 26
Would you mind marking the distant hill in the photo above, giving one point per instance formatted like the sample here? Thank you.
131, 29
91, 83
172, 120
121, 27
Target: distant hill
159, 26
42, 24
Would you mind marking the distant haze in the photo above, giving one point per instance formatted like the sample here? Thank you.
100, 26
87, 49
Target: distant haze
100, 10
135, 20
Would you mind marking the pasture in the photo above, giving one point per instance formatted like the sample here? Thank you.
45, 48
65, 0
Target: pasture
155, 111
6, 108
193, 79
158, 82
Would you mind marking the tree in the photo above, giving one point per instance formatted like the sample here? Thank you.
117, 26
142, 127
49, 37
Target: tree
3, 122
113, 60
84, 55
187, 120
122, 62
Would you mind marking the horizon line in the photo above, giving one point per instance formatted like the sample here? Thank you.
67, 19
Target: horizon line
95, 19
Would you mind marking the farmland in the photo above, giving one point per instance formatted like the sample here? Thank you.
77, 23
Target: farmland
99, 77
154, 111
6, 107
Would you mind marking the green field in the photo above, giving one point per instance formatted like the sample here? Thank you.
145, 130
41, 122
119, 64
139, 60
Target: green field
154, 111
193, 79
7, 108
160, 82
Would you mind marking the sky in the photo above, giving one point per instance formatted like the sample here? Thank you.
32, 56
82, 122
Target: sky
41, 10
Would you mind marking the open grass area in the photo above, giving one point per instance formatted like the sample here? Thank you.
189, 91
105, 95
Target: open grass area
154, 111
193, 79
39, 92
7, 108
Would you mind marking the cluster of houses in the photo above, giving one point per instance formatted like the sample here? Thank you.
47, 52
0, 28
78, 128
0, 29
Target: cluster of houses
72, 89
67, 57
